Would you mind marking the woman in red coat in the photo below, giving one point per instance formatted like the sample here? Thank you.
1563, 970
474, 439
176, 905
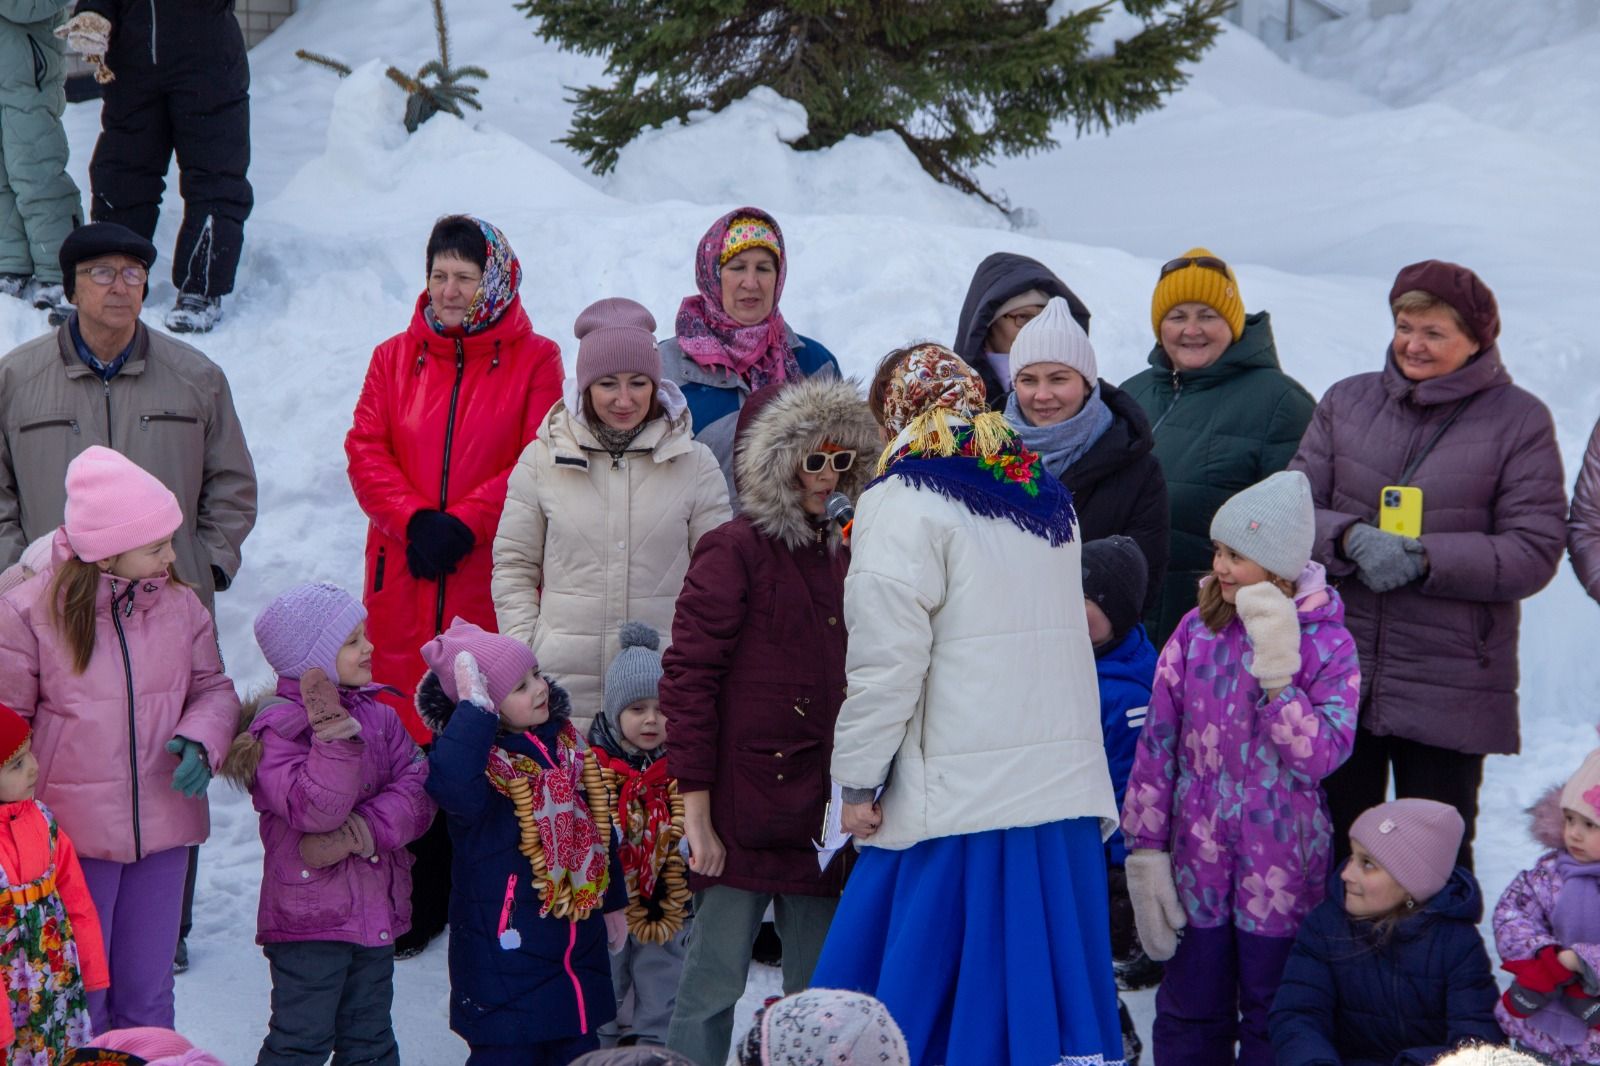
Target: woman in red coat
446, 408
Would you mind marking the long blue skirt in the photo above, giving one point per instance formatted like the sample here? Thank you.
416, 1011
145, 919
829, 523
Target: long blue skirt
991, 949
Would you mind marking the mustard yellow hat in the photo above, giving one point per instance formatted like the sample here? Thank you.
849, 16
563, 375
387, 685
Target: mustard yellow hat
1193, 282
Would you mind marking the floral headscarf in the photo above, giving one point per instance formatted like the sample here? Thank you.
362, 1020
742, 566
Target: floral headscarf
502, 277
930, 376
707, 334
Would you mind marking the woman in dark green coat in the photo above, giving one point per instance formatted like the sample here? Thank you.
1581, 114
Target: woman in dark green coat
1224, 413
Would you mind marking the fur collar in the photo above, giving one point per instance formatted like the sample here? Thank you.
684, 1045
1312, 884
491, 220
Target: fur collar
797, 420
436, 707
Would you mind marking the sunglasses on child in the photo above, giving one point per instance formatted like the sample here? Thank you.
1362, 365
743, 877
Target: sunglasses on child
817, 462
1205, 261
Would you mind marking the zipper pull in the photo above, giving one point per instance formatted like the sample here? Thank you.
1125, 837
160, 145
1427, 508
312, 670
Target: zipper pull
510, 939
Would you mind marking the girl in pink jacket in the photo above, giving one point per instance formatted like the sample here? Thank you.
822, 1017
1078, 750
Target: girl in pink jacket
115, 662
1227, 829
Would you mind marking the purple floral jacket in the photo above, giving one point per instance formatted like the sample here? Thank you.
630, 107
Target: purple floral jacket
1230, 782
1524, 922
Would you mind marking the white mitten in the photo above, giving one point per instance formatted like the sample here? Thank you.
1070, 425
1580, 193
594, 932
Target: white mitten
1273, 627
471, 685
87, 34
1157, 912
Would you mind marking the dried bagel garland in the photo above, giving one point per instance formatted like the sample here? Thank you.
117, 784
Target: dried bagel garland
557, 897
660, 918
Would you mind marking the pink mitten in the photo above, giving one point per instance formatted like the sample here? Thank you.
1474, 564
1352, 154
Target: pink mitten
328, 717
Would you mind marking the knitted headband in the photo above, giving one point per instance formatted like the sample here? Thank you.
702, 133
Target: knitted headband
745, 233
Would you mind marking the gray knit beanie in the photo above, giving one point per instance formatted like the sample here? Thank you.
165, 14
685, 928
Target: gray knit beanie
635, 674
1271, 523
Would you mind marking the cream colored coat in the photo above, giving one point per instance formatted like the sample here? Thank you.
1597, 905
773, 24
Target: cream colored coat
586, 543
970, 673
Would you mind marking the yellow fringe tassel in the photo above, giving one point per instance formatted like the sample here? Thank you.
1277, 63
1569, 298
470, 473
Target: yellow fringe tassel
931, 434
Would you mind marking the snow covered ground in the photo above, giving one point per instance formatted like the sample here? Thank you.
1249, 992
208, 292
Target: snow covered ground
1462, 129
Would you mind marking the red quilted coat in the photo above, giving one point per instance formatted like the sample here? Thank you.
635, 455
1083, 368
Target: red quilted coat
440, 423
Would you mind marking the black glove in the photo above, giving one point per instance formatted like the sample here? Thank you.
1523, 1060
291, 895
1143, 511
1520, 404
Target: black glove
435, 542
219, 578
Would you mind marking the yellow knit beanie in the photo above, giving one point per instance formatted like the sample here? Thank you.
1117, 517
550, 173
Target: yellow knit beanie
1199, 284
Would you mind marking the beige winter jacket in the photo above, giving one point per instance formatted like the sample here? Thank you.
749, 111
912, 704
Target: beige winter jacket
169, 409
586, 543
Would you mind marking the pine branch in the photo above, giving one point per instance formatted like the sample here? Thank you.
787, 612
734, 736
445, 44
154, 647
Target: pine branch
443, 32
318, 59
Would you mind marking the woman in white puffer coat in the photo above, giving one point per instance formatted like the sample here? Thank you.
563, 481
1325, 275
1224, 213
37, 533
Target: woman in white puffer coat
604, 508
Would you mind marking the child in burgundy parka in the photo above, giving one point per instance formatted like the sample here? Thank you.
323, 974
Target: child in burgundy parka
340, 786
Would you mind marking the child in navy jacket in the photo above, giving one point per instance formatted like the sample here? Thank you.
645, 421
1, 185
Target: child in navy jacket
1115, 576
533, 870
1389, 970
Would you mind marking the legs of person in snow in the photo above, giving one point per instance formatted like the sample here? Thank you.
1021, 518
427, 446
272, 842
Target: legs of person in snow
139, 905
1421, 771
180, 961
39, 204
717, 965
651, 972
330, 997
207, 124
1216, 992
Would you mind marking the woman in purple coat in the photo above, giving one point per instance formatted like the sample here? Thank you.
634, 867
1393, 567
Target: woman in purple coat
751, 688
1435, 615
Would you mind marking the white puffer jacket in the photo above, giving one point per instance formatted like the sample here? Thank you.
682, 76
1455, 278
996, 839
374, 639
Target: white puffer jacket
970, 673
586, 543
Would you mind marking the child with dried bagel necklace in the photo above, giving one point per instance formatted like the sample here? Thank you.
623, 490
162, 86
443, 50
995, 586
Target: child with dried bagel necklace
534, 870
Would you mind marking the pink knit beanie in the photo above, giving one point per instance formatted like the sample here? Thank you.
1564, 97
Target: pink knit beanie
114, 505
1581, 793
616, 336
157, 1047
1416, 840
306, 626
505, 661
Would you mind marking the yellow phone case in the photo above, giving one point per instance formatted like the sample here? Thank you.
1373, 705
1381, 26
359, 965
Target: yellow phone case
1400, 510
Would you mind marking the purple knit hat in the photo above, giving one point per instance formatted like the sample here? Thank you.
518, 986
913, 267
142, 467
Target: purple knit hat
306, 626
616, 336
1416, 840
505, 661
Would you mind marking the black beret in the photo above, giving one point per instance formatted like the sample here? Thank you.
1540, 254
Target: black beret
97, 239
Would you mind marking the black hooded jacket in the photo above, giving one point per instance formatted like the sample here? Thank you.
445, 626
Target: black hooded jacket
997, 279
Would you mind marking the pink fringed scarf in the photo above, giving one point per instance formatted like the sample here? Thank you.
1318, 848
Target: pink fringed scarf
760, 353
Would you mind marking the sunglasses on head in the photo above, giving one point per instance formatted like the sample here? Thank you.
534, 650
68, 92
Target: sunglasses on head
1206, 261
817, 462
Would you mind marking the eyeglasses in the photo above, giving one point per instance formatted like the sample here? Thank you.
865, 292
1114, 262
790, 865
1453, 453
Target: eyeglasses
1206, 261
1023, 317
817, 462
105, 275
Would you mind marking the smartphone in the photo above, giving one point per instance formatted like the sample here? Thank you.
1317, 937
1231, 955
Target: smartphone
1400, 510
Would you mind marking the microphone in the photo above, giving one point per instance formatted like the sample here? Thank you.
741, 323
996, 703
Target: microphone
839, 509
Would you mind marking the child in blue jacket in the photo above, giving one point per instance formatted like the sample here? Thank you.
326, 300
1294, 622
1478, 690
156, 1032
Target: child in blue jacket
1390, 970
1115, 576
533, 871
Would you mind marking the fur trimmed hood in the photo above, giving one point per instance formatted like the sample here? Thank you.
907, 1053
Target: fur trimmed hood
436, 707
777, 428
1545, 820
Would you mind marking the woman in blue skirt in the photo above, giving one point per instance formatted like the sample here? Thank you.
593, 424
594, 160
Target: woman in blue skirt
978, 910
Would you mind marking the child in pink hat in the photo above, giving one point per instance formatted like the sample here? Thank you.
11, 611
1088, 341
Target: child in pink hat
1390, 968
104, 630
1547, 928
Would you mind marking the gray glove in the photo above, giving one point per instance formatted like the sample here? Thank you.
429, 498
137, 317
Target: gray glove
1384, 561
1157, 912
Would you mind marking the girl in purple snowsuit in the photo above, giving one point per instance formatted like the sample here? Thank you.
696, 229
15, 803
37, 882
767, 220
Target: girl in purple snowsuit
1547, 928
1254, 704
340, 787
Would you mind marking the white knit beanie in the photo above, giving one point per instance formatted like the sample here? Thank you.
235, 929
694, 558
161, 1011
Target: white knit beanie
1054, 336
1271, 523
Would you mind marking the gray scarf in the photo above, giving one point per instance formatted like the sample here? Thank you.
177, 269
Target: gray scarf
1064, 443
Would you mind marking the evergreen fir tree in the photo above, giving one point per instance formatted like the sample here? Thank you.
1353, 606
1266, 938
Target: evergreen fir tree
958, 81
